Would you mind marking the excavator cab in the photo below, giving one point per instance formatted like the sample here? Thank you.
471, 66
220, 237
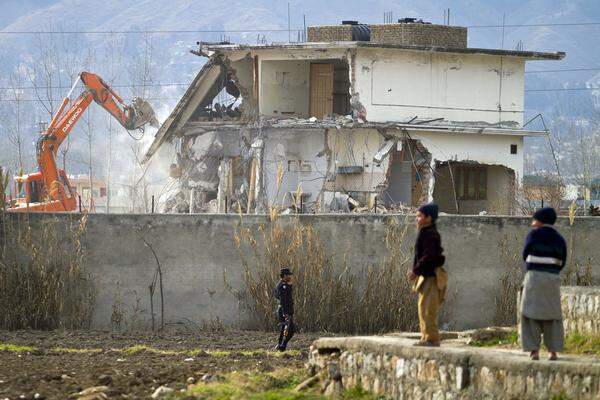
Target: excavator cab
33, 196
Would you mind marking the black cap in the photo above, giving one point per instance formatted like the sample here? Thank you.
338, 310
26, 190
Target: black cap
430, 210
285, 271
546, 215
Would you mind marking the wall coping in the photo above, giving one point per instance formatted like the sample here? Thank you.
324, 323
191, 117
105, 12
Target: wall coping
497, 358
562, 220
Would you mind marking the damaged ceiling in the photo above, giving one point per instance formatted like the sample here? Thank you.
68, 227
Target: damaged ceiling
205, 86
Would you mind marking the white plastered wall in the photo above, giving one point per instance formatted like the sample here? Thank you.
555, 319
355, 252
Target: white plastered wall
295, 150
397, 85
285, 84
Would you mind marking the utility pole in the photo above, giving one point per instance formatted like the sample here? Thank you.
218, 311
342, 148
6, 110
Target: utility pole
289, 25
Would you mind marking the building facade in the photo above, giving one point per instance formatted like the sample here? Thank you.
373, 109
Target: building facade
359, 116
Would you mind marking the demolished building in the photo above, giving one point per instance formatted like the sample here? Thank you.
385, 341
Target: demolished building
359, 116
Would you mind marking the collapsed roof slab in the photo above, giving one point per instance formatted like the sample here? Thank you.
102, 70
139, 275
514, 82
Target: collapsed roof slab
299, 123
202, 90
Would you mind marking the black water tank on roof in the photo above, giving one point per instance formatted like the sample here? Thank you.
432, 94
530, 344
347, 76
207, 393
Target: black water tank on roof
361, 33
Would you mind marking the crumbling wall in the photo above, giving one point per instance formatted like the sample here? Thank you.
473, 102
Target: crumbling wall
196, 170
242, 73
500, 189
483, 149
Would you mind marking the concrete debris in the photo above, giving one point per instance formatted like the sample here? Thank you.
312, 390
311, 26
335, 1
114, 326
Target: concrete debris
307, 383
92, 393
209, 378
351, 121
358, 110
197, 173
384, 150
161, 391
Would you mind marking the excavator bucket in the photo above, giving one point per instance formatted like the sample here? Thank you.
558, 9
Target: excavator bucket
144, 113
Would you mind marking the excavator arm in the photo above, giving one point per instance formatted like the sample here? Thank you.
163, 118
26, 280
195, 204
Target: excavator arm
55, 184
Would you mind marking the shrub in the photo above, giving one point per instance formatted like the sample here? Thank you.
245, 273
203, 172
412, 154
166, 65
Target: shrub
328, 296
43, 282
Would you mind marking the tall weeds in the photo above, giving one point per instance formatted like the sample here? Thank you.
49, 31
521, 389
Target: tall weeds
505, 313
43, 282
328, 296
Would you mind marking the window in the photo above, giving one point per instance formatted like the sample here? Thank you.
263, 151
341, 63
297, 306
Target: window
471, 183
513, 149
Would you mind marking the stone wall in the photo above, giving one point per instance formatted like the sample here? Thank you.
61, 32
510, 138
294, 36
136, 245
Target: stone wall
329, 33
411, 34
419, 35
394, 368
581, 309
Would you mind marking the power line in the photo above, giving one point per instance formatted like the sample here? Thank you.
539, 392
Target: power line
112, 86
185, 31
562, 70
179, 98
536, 25
561, 89
148, 31
59, 100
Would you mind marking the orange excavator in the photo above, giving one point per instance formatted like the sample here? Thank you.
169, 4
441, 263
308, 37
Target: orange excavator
49, 188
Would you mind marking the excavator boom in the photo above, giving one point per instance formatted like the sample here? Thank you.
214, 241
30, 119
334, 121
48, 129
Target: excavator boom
49, 189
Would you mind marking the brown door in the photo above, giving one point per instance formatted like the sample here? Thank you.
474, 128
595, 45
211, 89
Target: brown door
321, 90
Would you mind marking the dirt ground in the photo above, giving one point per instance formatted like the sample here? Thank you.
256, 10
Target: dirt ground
57, 365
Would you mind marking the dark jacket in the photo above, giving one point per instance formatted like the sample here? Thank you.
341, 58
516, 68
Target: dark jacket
545, 250
283, 292
428, 252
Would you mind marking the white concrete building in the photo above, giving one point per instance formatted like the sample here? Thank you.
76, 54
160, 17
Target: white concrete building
402, 113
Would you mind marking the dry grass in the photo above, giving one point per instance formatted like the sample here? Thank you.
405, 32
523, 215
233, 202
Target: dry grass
43, 282
505, 312
328, 296
576, 274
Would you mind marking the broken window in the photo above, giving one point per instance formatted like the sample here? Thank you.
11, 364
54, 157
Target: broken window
471, 183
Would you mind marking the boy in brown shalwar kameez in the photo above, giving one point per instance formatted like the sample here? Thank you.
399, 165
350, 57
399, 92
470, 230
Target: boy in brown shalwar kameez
430, 279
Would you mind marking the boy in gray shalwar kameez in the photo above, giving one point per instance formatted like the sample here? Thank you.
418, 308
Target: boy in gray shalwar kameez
545, 254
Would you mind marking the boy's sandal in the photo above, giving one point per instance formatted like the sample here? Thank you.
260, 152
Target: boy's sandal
534, 355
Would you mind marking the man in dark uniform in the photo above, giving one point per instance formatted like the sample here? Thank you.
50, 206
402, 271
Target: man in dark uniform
285, 311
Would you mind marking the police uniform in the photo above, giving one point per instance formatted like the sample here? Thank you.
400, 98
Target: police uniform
285, 311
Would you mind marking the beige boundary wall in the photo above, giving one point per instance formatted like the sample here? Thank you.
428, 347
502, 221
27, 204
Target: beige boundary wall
196, 251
